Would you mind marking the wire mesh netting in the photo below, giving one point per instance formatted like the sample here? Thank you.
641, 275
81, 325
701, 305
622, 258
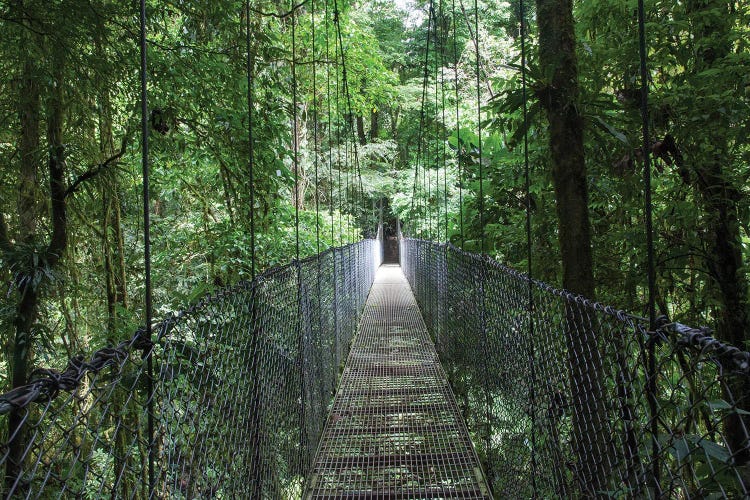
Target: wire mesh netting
570, 398
565, 399
239, 393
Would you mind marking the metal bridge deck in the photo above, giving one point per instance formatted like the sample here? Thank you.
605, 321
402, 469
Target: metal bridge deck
395, 430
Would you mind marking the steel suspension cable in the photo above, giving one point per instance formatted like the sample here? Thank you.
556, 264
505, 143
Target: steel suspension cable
442, 108
350, 111
297, 202
255, 474
338, 129
331, 201
428, 188
319, 277
420, 134
315, 135
648, 208
330, 129
437, 130
250, 139
347, 181
527, 175
647, 164
429, 199
474, 34
347, 122
529, 254
347, 193
429, 155
479, 130
148, 292
458, 126
295, 136
482, 270
434, 160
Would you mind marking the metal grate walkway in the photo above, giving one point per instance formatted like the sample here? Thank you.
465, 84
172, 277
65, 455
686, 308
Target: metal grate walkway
395, 430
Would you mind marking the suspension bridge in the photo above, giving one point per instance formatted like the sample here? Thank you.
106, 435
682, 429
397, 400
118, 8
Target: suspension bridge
447, 375
313, 382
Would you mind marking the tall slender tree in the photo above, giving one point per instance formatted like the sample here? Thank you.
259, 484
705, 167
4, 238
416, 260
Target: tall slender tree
20, 248
708, 136
560, 97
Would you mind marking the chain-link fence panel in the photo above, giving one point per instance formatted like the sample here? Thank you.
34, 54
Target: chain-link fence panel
229, 400
566, 397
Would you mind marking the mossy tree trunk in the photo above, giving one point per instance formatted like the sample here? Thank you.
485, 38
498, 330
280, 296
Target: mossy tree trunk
560, 98
713, 181
28, 109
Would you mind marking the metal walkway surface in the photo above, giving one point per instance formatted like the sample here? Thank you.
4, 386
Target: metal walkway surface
395, 430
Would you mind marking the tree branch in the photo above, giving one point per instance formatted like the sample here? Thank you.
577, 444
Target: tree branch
97, 169
282, 15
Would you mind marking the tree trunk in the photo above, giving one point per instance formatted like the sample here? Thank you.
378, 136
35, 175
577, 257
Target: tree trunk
28, 110
124, 463
28, 287
374, 125
720, 197
55, 118
111, 225
25, 314
298, 140
114, 257
560, 98
361, 130
22, 351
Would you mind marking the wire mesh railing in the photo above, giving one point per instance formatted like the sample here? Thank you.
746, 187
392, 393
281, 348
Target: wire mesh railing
572, 399
242, 385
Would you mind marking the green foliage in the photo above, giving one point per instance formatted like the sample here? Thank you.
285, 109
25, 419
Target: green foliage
416, 155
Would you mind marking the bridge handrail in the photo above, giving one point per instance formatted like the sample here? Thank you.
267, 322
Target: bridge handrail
48, 382
699, 338
260, 358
